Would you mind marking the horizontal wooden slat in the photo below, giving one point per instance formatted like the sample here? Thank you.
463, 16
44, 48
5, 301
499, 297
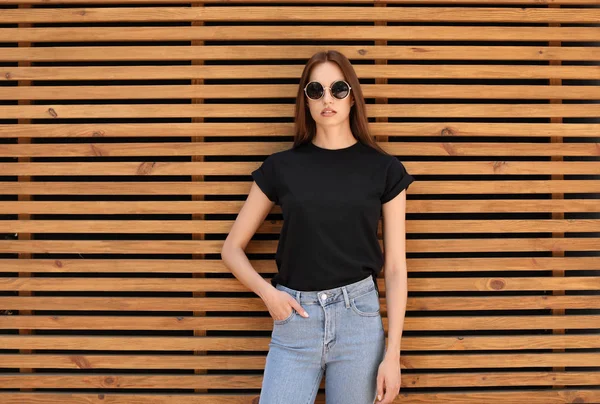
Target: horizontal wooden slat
276, 130
235, 381
471, 284
300, 32
497, 187
177, 2
223, 207
132, 398
197, 266
227, 91
298, 14
147, 168
408, 361
282, 52
459, 149
555, 396
274, 226
91, 111
269, 246
412, 323
524, 302
265, 72
244, 344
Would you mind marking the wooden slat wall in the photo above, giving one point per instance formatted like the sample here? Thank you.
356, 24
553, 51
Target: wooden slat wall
128, 131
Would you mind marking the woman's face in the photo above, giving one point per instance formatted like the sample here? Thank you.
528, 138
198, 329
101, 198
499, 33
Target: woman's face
326, 73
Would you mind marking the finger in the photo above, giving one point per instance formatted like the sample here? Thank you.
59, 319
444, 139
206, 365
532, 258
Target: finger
283, 316
389, 396
379, 388
298, 308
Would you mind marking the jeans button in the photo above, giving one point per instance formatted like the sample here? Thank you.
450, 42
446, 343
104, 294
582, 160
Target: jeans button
323, 296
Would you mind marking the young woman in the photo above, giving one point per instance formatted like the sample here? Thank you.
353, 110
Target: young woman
333, 186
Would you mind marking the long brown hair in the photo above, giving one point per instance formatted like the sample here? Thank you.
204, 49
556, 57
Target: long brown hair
304, 125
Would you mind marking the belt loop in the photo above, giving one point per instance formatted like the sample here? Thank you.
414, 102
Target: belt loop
374, 278
346, 299
298, 296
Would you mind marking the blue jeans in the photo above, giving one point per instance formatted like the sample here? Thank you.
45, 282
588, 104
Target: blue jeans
342, 339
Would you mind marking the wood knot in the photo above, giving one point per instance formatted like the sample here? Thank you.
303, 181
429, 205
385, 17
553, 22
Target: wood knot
7, 75
58, 263
52, 112
96, 151
362, 51
497, 165
447, 132
449, 149
145, 168
81, 362
497, 284
98, 133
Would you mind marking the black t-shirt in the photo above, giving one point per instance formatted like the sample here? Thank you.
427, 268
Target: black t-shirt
331, 202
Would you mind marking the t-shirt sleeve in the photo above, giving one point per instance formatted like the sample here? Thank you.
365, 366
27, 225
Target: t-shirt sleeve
266, 179
396, 180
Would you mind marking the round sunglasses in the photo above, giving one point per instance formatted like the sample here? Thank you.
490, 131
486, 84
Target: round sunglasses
339, 89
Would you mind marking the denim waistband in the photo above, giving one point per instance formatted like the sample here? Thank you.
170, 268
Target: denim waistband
327, 296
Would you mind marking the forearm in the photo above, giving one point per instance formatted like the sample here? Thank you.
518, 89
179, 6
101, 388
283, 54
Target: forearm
396, 293
236, 260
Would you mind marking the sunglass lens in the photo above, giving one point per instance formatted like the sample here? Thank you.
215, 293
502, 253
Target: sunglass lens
314, 90
340, 89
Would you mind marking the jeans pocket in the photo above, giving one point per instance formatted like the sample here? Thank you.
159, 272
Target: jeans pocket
285, 320
366, 304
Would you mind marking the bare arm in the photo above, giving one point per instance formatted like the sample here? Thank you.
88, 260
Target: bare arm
395, 270
253, 213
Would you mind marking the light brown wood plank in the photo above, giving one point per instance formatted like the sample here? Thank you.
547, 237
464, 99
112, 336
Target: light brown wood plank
283, 52
466, 110
276, 130
556, 396
274, 226
184, 207
300, 32
270, 246
239, 362
227, 91
526, 302
178, 149
454, 2
421, 380
499, 187
116, 265
124, 398
236, 323
265, 72
298, 14
468, 284
245, 168
242, 344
